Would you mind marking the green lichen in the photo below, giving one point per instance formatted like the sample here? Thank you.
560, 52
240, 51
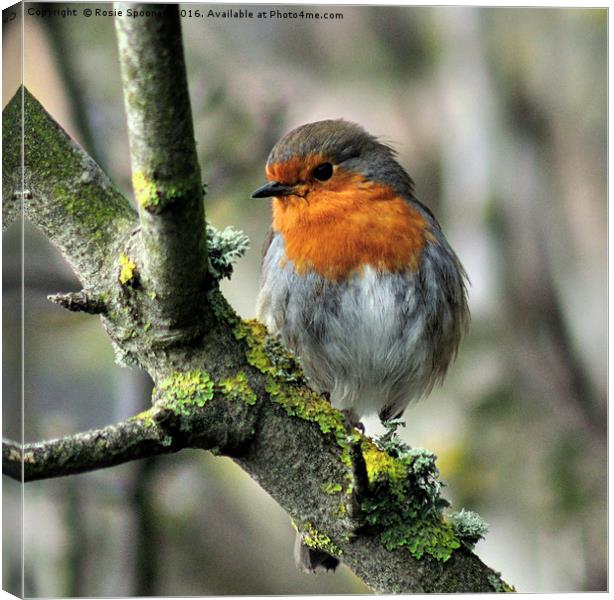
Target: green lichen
154, 195
184, 392
303, 403
254, 333
95, 207
319, 541
404, 501
390, 442
238, 388
87, 206
331, 488
284, 365
222, 309
127, 270
145, 417
286, 384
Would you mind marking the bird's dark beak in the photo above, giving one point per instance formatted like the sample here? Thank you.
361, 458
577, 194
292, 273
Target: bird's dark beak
272, 188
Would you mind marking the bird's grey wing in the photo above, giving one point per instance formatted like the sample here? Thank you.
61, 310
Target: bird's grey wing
267, 242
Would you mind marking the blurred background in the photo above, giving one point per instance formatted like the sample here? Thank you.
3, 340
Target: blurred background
499, 115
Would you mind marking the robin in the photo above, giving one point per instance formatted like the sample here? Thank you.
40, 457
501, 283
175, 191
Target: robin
358, 278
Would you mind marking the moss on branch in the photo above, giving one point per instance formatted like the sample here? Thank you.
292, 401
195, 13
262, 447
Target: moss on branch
172, 252
67, 195
403, 510
96, 449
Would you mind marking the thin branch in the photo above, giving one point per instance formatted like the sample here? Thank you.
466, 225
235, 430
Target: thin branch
165, 170
81, 301
95, 449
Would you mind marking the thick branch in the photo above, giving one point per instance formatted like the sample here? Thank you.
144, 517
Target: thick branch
66, 193
12, 160
291, 457
165, 170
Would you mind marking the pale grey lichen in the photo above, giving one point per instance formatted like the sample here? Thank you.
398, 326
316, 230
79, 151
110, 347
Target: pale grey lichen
224, 249
469, 526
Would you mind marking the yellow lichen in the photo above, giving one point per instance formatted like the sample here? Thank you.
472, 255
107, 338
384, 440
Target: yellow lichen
182, 392
285, 382
127, 269
331, 488
383, 467
254, 333
286, 385
318, 540
153, 195
145, 416
238, 388
145, 191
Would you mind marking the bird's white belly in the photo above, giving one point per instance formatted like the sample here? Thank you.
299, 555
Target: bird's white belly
360, 340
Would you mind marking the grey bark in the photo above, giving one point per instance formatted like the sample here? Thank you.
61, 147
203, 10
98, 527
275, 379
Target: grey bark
165, 169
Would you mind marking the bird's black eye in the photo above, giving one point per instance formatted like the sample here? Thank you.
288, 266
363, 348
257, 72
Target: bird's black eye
323, 171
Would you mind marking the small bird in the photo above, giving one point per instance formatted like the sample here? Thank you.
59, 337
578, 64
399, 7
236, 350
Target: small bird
357, 278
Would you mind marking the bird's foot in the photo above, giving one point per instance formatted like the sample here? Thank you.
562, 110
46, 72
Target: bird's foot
351, 422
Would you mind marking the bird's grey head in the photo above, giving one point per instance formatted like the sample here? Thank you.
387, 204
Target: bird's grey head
345, 144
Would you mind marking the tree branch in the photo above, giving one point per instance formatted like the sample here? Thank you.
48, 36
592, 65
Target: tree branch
12, 160
304, 468
165, 170
66, 193
87, 451
79, 302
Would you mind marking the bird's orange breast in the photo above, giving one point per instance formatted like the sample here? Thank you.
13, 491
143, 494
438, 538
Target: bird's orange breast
337, 230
